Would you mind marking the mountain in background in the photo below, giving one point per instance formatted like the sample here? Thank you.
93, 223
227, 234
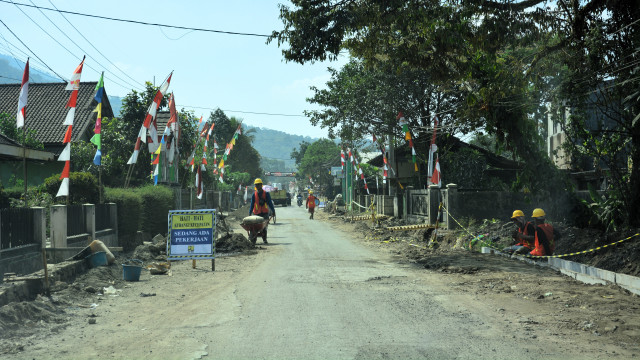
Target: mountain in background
275, 147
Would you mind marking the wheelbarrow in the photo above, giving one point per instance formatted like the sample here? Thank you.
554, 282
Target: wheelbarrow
255, 225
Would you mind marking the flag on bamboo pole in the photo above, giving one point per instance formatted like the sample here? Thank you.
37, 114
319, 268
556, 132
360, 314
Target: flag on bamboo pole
407, 136
97, 137
172, 131
436, 178
433, 147
228, 149
385, 168
147, 124
206, 142
150, 120
342, 158
22, 99
74, 86
199, 184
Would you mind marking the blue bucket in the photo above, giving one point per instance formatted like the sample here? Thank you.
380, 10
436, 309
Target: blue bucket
97, 259
131, 272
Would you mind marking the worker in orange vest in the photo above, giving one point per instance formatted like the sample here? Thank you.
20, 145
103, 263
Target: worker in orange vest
260, 205
311, 203
523, 235
544, 237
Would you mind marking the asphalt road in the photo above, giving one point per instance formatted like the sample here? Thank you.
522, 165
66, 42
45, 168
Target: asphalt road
312, 293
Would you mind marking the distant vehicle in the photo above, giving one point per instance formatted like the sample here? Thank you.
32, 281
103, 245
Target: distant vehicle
280, 197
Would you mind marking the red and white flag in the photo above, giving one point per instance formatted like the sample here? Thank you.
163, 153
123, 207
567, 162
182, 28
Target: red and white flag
22, 100
435, 178
74, 87
433, 148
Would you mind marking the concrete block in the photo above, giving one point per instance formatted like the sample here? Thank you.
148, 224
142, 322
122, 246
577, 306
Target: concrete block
631, 283
589, 279
568, 272
606, 275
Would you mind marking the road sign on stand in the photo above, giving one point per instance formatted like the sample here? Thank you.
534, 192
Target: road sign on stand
192, 235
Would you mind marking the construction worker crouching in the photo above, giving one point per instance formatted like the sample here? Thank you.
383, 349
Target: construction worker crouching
524, 235
544, 238
260, 205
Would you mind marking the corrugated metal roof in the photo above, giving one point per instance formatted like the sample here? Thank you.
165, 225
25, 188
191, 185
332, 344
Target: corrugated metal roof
46, 109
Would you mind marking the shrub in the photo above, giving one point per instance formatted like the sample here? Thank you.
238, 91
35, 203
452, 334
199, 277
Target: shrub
129, 204
83, 188
156, 203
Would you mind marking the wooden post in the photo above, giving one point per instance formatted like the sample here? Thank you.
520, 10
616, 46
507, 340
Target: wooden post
213, 264
46, 272
193, 263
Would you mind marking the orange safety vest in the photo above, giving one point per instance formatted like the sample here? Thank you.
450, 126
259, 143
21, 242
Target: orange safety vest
257, 209
311, 201
523, 242
542, 249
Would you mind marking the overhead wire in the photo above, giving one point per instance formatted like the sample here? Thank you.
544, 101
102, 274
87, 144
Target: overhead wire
34, 54
64, 47
142, 22
90, 43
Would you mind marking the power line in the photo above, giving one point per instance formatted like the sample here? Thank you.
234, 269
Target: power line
64, 47
87, 40
239, 111
141, 22
34, 54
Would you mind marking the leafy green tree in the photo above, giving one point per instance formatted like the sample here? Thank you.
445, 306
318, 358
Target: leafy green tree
298, 153
317, 161
8, 128
244, 158
360, 101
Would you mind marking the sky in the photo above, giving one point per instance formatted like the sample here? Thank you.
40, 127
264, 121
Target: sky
241, 75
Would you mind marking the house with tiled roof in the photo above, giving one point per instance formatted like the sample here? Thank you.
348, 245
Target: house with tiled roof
46, 112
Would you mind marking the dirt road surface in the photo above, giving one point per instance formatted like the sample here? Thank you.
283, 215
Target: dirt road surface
319, 291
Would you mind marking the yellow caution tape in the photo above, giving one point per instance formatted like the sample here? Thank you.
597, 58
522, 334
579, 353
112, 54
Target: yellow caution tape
583, 252
410, 227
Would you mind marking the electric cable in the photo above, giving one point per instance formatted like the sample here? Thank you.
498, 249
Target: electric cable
34, 54
141, 22
90, 43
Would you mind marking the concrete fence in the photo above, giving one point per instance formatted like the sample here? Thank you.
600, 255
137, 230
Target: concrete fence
221, 200
421, 205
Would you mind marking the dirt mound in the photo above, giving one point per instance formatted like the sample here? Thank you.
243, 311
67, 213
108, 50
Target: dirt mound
240, 213
233, 243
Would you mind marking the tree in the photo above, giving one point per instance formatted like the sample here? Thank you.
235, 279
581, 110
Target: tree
505, 57
360, 101
244, 158
298, 154
317, 161
9, 129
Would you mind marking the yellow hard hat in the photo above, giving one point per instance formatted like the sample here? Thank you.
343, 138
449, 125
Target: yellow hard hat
538, 213
517, 213
258, 181
310, 191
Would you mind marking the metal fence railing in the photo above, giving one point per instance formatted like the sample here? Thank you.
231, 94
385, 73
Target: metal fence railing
76, 222
103, 216
17, 228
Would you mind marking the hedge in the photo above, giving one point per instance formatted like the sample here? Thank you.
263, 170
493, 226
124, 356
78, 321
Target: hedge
83, 188
156, 203
129, 205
